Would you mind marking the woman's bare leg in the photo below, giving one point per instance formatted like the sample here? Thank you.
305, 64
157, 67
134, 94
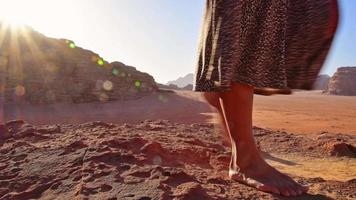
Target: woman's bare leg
247, 164
213, 99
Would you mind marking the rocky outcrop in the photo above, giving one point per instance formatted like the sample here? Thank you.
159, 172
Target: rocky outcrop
343, 82
321, 82
38, 69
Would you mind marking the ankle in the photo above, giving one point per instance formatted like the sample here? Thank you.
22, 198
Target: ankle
247, 156
247, 148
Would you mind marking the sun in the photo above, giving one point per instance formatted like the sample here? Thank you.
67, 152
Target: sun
30, 12
14, 12
49, 17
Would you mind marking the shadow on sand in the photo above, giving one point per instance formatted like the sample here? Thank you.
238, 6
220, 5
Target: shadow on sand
280, 160
306, 197
161, 105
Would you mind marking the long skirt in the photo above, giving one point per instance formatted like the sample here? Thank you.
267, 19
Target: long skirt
280, 44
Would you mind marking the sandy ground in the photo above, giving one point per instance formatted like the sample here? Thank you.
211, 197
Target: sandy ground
307, 112
60, 153
161, 160
303, 112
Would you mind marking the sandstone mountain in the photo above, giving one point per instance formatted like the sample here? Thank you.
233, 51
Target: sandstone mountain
183, 81
38, 69
322, 82
343, 82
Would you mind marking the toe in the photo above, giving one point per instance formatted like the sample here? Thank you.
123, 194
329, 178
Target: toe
268, 188
299, 191
292, 191
284, 191
292, 187
295, 189
299, 188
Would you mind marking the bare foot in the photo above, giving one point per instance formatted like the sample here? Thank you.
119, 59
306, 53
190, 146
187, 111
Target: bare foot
267, 179
247, 165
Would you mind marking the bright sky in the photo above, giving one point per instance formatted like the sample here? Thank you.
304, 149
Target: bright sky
156, 36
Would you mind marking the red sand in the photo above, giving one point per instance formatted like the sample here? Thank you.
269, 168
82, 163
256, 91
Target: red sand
159, 160
303, 112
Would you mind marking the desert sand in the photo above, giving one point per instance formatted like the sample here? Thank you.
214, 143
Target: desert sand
165, 146
303, 112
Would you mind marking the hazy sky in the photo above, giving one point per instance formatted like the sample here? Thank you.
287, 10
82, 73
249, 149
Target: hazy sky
156, 36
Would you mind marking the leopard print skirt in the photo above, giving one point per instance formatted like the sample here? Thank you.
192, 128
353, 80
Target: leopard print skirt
278, 44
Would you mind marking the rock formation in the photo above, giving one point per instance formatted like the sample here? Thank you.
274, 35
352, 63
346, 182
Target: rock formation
321, 82
38, 69
183, 81
343, 82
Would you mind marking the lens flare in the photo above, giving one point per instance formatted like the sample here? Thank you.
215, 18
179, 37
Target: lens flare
100, 62
138, 84
103, 97
20, 90
115, 72
108, 85
71, 45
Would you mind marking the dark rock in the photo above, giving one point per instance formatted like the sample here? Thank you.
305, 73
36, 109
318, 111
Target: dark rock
341, 149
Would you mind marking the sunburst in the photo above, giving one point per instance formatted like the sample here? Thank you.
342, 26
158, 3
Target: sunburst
14, 12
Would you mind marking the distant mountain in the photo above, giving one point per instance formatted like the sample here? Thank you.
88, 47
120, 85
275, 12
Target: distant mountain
168, 87
188, 87
183, 81
38, 69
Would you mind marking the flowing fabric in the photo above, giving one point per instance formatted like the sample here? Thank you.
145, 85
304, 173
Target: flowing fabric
278, 44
